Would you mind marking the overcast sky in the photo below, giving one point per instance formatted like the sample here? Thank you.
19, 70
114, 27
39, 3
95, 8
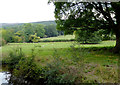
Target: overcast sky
17, 11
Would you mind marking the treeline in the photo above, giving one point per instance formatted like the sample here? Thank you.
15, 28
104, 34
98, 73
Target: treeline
88, 36
28, 32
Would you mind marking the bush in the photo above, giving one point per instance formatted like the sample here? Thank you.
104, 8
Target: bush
2, 42
34, 38
86, 36
17, 39
26, 69
58, 73
58, 40
13, 59
108, 37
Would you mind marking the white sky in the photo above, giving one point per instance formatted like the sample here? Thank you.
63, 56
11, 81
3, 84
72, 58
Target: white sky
17, 11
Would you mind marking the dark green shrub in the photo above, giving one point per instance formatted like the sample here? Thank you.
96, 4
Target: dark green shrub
25, 69
87, 36
58, 40
108, 37
59, 73
2, 42
29, 71
13, 58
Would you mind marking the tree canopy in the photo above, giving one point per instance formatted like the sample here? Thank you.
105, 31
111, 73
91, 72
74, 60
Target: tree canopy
28, 32
89, 15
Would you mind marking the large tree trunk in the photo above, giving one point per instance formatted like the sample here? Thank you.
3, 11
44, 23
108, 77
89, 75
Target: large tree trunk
117, 46
116, 28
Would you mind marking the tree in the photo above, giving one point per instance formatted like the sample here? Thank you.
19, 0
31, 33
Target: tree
39, 29
50, 30
87, 36
60, 33
8, 35
34, 38
2, 41
17, 39
28, 30
89, 15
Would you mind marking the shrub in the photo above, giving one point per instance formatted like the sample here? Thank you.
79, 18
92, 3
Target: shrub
108, 37
26, 69
17, 39
13, 58
34, 38
2, 42
59, 73
86, 36
57, 40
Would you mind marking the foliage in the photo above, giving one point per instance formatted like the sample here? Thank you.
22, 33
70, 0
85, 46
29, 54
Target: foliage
28, 30
86, 16
34, 38
89, 16
58, 40
17, 39
106, 35
58, 72
13, 58
39, 29
50, 30
7, 35
23, 32
2, 42
62, 38
87, 36
28, 70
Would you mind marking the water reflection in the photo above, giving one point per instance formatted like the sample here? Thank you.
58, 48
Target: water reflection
4, 78
8, 79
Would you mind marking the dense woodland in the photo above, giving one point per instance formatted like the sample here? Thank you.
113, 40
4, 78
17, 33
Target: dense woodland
29, 32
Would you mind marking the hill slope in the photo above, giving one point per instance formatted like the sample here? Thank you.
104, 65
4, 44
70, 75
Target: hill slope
4, 25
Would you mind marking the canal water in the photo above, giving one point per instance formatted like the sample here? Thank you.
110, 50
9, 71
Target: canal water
4, 75
8, 79
4, 78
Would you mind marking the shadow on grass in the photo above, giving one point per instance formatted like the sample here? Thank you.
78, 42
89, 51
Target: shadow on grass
103, 50
106, 51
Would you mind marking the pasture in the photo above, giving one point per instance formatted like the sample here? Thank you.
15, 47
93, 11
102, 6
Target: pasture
47, 49
62, 37
96, 58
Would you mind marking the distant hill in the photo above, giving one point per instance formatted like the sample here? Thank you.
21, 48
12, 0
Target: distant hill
0, 25
4, 25
45, 22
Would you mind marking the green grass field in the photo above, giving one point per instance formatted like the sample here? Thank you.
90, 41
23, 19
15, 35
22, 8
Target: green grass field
95, 56
47, 49
62, 37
